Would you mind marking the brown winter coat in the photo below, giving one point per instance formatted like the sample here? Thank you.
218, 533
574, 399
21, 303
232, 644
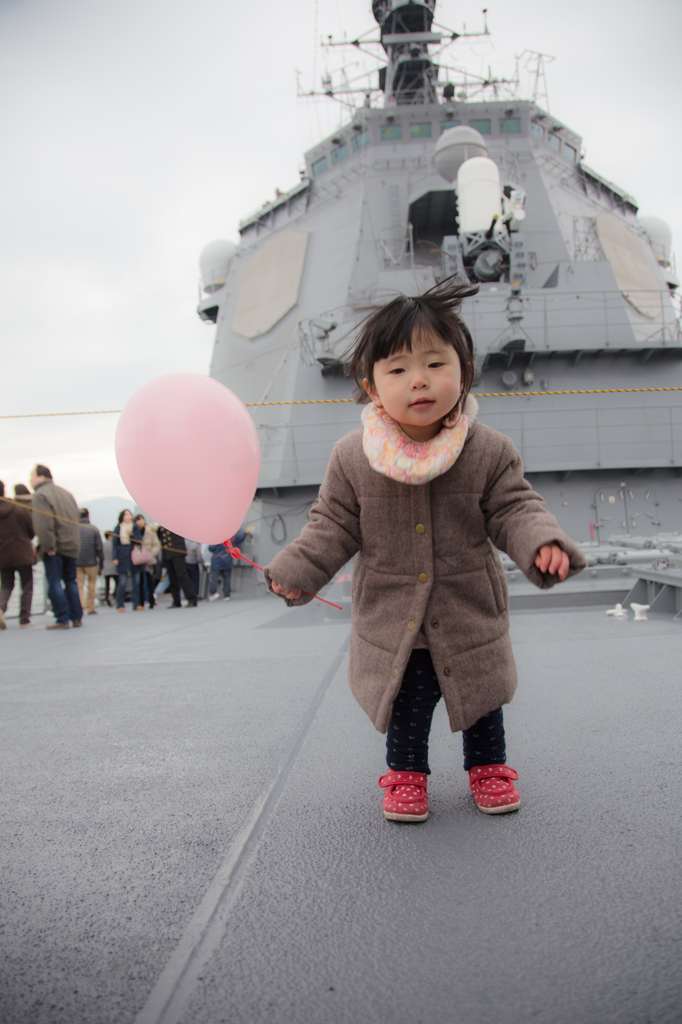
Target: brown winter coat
56, 520
16, 533
446, 578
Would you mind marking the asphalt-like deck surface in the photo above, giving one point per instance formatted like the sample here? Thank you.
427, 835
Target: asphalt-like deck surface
192, 831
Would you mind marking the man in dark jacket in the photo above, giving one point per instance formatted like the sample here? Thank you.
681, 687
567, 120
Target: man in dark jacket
16, 555
173, 553
56, 523
89, 562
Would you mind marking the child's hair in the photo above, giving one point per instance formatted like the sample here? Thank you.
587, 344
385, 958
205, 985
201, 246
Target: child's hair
394, 327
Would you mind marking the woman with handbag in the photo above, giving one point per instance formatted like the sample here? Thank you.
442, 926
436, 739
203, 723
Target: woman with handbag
146, 556
124, 536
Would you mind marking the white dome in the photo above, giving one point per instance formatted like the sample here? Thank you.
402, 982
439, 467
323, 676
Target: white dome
661, 237
214, 262
454, 147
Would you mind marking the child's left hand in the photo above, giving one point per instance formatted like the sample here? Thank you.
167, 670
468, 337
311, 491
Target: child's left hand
550, 558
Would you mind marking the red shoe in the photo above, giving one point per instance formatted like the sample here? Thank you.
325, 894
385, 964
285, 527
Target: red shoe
405, 798
493, 789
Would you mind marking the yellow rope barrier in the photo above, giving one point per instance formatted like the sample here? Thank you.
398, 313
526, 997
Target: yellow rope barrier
35, 415
332, 401
63, 519
585, 391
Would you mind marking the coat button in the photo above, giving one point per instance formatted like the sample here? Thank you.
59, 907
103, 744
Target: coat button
410, 624
435, 623
395, 672
420, 528
423, 577
447, 671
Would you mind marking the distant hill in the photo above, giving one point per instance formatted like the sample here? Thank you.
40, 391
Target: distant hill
104, 512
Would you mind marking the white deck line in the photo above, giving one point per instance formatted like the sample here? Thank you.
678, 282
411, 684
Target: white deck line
204, 932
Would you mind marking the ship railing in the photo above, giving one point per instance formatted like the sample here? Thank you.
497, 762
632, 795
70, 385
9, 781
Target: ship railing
580, 179
641, 430
269, 207
565, 432
400, 163
589, 321
396, 247
331, 188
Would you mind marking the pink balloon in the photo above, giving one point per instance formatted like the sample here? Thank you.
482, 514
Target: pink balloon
188, 452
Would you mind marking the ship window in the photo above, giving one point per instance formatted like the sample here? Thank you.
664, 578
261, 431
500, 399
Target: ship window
420, 131
340, 153
319, 166
390, 132
444, 125
554, 142
360, 141
570, 152
482, 126
510, 125
537, 131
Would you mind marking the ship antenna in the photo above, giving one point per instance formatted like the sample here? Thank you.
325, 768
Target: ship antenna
540, 95
410, 75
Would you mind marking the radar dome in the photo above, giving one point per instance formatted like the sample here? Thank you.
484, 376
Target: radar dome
214, 263
454, 147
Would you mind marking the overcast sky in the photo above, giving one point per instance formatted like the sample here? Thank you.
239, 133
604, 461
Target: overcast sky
136, 132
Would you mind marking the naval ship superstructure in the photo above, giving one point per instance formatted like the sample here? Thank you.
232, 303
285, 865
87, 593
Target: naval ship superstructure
576, 296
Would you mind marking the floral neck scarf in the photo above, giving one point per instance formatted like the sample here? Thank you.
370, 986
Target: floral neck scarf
392, 453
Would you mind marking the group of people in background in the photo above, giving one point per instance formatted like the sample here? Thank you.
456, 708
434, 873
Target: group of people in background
133, 548
136, 558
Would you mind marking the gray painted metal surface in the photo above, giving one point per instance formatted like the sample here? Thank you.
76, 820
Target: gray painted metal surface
559, 316
156, 767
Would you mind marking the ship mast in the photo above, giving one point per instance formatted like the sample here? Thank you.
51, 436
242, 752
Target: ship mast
410, 75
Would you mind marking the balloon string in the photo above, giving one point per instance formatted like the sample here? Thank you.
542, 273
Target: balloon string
236, 553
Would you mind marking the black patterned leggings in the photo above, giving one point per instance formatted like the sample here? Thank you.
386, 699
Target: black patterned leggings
407, 742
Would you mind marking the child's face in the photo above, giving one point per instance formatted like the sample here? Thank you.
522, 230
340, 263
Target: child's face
419, 388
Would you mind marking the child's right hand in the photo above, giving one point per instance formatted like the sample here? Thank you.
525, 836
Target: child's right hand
550, 558
291, 595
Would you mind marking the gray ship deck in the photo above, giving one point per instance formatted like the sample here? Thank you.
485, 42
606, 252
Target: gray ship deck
193, 833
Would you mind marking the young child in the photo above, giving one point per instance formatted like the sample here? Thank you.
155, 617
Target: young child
422, 494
